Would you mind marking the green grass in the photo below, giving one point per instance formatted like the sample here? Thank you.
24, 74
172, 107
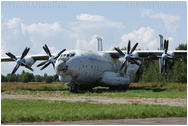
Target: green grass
141, 90
42, 110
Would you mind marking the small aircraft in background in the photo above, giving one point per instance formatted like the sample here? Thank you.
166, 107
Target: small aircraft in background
82, 69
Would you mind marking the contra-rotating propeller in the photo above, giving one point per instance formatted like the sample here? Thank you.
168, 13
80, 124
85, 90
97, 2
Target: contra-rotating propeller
128, 56
19, 61
51, 59
165, 56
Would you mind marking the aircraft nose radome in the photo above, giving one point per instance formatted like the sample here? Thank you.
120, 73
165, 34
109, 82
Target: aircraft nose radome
61, 66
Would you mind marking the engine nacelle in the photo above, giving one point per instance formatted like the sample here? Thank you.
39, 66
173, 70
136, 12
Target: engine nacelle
114, 79
29, 61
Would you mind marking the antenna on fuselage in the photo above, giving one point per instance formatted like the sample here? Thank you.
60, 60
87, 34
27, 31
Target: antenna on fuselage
99, 44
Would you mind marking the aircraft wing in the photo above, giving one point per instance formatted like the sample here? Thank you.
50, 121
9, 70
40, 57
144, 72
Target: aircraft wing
34, 57
146, 53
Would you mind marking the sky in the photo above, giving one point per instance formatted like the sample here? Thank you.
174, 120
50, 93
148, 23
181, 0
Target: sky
75, 25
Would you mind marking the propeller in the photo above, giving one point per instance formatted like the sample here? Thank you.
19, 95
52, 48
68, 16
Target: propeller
20, 62
165, 56
128, 56
51, 59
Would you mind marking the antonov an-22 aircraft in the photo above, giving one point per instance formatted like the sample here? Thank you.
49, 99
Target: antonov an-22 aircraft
87, 69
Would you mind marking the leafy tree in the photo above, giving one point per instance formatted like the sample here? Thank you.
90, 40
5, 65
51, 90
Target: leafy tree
45, 75
182, 47
3, 78
27, 77
38, 78
55, 78
10, 78
49, 79
23, 72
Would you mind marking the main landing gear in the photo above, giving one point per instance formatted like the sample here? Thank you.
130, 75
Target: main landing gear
74, 88
121, 88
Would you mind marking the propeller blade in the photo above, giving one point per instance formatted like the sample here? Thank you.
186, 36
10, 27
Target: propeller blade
42, 63
164, 44
129, 47
166, 47
48, 63
27, 66
15, 68
174, 58
125, 70
60, 53
11, 56
53, 65
25, 52
122, 65
134, 48
162, 66
47, 49
119, 51
165, 66
135, 62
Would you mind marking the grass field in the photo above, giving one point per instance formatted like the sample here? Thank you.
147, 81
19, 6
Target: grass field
146, 90
14, 110
41, 110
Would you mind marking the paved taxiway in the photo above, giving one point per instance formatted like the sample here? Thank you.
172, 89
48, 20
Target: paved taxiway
150, 121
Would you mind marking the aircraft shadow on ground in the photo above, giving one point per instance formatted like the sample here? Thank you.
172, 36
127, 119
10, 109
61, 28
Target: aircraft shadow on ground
154, 89
103, 90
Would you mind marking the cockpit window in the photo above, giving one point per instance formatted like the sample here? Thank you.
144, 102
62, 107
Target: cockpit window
68, 55
72, 54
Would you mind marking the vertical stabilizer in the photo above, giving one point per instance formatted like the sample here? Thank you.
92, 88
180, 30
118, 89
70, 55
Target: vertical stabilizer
99, 44
161, 47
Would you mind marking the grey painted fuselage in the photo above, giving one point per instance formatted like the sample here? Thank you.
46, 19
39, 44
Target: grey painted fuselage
86, 68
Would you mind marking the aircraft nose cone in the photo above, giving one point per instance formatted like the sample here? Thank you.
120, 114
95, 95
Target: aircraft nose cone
61, 66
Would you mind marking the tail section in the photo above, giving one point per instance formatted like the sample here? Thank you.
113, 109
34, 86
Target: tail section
99, 44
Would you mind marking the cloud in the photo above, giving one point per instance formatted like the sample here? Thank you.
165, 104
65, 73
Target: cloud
14, 36
145, 36
91, 45
44, 28
93, 22
170, 21
87, 17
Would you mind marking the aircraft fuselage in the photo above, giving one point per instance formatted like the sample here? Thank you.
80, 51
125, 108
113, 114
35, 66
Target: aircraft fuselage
88, 69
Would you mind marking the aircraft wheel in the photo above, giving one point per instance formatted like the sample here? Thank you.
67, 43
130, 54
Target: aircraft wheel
75, 88
70, 89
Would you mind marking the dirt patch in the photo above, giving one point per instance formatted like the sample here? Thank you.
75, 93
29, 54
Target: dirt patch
104, 100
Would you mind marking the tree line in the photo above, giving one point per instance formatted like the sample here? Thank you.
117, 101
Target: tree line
29, 77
